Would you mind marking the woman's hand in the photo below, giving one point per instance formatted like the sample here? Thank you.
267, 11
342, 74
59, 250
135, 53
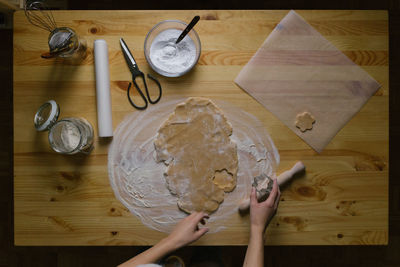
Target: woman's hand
261, 213
187, 230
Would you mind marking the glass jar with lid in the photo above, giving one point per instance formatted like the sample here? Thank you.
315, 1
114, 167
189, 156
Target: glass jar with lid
66, 136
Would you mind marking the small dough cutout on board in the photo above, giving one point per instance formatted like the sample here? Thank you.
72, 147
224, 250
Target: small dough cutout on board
305, 121
201, 159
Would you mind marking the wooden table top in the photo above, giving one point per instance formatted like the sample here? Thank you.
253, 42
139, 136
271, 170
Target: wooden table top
67, 200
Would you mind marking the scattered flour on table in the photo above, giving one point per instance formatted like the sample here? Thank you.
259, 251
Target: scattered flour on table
138, 179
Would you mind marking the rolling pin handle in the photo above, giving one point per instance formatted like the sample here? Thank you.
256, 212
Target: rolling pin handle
287, 175
244, 205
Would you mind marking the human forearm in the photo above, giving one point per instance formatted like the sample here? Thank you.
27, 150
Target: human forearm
255, 250
260, 214
186, 232
151, 255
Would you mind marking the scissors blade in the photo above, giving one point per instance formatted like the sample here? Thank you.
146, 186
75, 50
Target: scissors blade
128, 56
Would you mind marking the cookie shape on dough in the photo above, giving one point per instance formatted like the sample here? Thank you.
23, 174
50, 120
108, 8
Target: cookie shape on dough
304, 121
201, 159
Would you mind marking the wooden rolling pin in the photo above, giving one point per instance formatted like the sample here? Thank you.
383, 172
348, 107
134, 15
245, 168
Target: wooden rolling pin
281, 179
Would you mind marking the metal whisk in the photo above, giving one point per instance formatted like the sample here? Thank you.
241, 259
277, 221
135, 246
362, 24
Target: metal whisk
40, 15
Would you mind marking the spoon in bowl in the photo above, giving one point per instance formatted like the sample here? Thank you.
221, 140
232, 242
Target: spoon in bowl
187, 29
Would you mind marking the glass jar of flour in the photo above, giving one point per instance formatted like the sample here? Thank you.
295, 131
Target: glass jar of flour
66, 136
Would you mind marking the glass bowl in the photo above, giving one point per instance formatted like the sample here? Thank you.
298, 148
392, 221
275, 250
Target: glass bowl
156, 30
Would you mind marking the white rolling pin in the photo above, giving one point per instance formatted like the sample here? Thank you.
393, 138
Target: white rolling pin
104, 115
281, 179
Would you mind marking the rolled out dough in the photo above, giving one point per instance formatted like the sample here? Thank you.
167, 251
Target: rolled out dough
202, 160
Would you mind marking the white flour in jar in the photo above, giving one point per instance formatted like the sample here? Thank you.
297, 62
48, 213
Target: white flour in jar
170, 57
70, 136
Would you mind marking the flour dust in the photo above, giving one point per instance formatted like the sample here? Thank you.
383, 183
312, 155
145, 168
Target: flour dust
138, 180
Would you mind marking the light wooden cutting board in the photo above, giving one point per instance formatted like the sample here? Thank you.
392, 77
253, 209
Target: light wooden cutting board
67, 200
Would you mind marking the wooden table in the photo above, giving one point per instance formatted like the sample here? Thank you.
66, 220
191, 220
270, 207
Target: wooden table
67, 200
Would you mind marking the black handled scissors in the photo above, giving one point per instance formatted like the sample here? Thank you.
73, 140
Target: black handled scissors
137, 73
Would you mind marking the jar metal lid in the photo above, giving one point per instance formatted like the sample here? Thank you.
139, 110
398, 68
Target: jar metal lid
46, 116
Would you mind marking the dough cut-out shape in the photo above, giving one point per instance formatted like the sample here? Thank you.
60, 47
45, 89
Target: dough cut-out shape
305, 121
201, 159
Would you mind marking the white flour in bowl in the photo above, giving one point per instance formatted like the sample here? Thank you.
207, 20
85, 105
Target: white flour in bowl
170, 57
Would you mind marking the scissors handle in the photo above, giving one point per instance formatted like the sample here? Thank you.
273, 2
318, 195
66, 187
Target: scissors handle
141, 94
159, 89
146, 90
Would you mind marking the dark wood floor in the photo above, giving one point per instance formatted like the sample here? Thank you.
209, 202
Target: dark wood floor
232, 256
